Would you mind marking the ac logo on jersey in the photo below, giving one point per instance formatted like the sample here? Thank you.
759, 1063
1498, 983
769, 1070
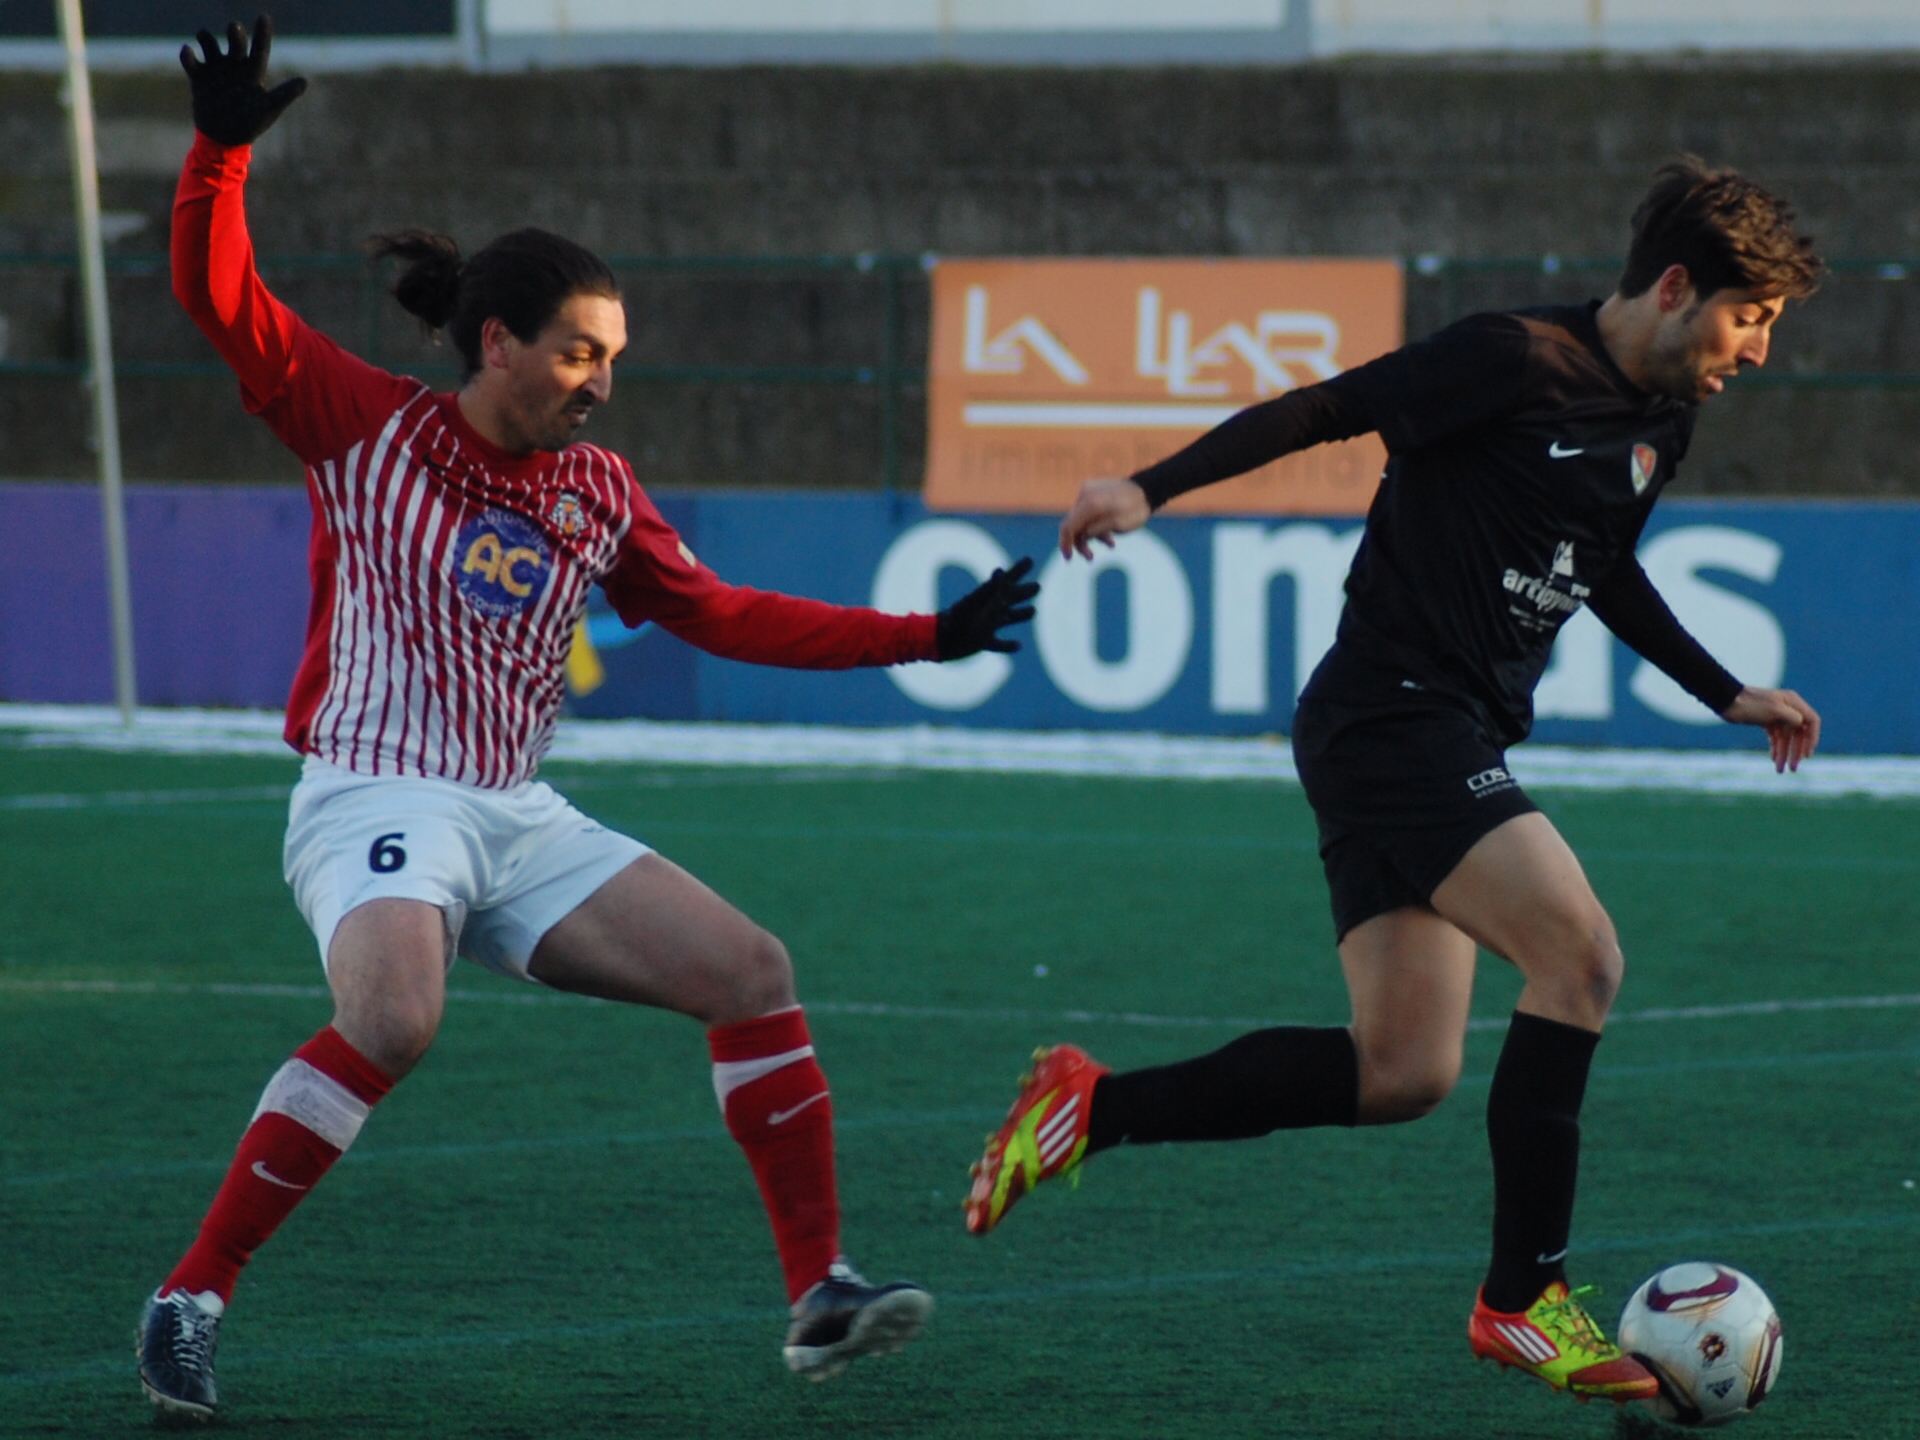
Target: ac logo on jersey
500, 563
1646, 460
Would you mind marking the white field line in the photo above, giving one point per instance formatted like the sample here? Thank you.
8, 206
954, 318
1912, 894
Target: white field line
882, 1010
120, 799
927, 747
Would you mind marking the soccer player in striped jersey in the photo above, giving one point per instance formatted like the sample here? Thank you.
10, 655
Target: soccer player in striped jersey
454, 539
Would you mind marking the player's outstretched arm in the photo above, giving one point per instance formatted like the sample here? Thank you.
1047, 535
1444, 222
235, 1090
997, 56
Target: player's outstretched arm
1628, 605
1102, 510
1336, 409
212, 255
1792, 725
658, 578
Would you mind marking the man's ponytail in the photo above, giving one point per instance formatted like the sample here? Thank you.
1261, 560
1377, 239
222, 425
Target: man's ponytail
521, 279
429, 286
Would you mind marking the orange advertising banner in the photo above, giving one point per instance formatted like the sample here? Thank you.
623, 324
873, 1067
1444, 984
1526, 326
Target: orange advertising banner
1045, 373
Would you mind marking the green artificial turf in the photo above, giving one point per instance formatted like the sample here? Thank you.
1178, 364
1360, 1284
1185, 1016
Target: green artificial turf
546, 1232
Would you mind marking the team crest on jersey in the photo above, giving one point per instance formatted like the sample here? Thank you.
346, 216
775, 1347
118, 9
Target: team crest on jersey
1646, 460
500, 563
566, 516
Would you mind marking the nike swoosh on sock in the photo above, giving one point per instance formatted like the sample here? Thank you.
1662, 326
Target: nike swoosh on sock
780, 1117
260, 1169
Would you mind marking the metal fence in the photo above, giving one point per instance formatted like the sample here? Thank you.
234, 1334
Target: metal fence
1883, 353
763, 323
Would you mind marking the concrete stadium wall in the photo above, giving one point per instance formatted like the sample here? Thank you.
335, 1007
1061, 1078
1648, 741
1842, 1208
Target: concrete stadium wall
1465, 159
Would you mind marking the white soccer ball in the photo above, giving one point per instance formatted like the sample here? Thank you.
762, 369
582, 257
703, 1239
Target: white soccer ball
1711, 1337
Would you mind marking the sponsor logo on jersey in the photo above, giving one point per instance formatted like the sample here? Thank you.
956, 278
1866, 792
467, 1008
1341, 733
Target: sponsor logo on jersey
1559, 592
500, 563
1557, 451
566, 516
1646, 460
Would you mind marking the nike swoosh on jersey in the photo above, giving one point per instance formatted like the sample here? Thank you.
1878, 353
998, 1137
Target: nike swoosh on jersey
1556, 452
780, 1117
260, 1169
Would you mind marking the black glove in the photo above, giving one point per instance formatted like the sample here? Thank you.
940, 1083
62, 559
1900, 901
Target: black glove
972, 623
231, 103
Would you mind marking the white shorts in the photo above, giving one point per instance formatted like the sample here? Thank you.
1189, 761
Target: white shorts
503, 866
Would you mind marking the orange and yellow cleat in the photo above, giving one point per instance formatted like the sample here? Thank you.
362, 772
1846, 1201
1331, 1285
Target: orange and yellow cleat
1045, 1134
1555, 1339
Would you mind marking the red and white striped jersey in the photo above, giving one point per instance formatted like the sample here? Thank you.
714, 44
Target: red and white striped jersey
448, 576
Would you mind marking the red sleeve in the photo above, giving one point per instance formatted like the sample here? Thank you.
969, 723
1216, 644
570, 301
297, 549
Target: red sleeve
317, 397
657, 578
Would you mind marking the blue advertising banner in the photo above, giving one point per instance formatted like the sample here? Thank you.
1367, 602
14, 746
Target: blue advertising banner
1211, 625
1205, 625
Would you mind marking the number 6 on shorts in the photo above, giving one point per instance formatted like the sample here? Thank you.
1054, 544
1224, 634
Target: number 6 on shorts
386, 857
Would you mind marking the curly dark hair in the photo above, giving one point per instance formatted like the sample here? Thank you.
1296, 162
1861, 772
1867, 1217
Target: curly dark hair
1729, 233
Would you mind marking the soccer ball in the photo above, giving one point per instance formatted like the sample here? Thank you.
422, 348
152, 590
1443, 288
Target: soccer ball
1710, 1336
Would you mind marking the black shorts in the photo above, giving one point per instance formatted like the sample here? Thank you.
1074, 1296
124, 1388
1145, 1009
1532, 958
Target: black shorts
1401, 792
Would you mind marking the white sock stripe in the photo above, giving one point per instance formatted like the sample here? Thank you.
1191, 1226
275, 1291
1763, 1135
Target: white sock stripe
730, 1075
316, 1100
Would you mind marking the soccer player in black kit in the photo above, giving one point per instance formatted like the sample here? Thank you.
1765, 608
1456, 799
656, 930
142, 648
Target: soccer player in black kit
1526, 452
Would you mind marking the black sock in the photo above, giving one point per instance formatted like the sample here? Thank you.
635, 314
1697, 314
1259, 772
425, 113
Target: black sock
1282, 1079
1533, 1126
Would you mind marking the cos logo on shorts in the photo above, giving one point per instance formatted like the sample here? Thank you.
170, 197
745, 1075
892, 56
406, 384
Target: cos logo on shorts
500, 563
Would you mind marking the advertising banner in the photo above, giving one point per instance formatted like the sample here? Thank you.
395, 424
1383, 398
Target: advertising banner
1196, 625
1045, 373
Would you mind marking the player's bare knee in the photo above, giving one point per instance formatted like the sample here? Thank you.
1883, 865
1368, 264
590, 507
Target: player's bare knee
763, 977
1396, 1092
1600, 965
393, 1034
1584, 967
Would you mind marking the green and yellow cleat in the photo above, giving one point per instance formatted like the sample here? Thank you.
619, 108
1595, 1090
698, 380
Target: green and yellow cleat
1555, 1339
1045, 1133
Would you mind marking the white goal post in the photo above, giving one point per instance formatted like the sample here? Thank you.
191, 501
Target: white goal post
78, 97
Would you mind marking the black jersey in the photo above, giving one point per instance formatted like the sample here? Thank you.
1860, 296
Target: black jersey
1522, 467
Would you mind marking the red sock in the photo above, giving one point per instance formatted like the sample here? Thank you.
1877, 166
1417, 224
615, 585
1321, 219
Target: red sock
776, 1103
307, 1117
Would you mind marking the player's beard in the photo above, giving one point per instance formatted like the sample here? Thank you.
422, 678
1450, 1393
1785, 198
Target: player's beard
555, 429
1679, 365
573, 415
